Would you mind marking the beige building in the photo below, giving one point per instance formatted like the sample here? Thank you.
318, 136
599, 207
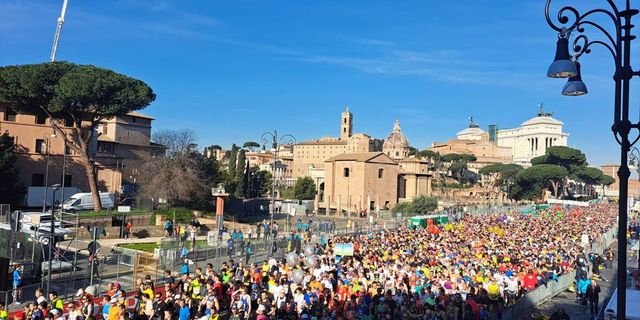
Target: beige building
119, 147
414, 178
312, 154
359, 183
475, 141
533, 137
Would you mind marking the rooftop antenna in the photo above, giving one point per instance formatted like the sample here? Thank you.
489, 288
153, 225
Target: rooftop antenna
56, 37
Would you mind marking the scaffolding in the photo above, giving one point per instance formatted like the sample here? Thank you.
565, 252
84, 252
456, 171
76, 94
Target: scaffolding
69, 221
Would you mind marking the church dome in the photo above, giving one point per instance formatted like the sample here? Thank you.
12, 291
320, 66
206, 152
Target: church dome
396, 138
396, 145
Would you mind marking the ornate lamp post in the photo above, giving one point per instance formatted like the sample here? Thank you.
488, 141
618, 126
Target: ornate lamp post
275, 141
617, 41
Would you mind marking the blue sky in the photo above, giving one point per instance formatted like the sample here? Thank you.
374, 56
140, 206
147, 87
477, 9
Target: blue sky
231, 70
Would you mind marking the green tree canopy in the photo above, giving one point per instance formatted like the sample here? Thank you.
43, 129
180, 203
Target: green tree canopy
542, 175
590, 175
251, 145
571, 159
241, 175
423, 204
606, 180
11, 188
84, 94
304, 189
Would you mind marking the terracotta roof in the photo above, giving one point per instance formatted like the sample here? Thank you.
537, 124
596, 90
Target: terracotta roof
139, 115
359, 157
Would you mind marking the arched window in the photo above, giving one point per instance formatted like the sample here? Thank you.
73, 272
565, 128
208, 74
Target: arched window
345, 172
380, 173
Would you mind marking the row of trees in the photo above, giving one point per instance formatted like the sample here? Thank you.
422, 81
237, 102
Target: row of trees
184, 176
551, 171
453, 164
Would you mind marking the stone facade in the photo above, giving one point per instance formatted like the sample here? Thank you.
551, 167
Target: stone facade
533, 137
475, 141
120, 146
360, 183
312, 154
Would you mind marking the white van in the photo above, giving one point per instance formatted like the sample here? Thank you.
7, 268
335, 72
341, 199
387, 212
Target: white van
84, 201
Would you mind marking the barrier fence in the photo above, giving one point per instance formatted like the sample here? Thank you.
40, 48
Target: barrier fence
544, 293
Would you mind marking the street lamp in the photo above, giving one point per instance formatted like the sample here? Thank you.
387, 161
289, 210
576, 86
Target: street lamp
275, 141
618, 43
54, 188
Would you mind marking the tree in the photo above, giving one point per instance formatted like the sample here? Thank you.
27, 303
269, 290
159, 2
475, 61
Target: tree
423, 204
541, 176
230, 180
304, 189
402, 207
413, 151
458, 167
241, 175
83, 94
501, 174
11, 188
259, 182
573, 160
590, 176
181, 177
606, 180
251, 145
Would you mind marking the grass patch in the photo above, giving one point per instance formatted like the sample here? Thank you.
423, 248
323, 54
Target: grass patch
146, 247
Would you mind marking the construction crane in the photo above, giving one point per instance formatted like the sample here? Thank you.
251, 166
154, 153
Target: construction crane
56, 37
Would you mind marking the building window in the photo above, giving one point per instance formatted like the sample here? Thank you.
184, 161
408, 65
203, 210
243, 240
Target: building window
41, 118
380, 173
41, 147
105, 147
345, 172
37, 180
67, 150
68, 122
67, 180
9, 115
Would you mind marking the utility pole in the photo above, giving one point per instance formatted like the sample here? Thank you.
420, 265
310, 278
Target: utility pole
56, 37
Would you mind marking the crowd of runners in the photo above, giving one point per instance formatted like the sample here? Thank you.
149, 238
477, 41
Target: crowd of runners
469, 269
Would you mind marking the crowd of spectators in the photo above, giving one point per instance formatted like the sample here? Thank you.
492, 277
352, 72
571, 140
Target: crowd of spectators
469, 269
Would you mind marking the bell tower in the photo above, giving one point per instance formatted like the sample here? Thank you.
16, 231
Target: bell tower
346, 124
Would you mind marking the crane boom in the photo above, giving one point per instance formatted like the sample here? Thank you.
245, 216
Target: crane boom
56, 37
